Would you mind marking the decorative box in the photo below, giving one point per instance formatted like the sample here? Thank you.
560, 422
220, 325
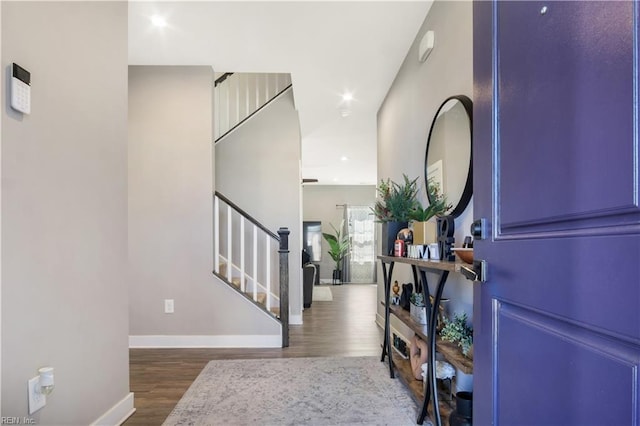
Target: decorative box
425, 232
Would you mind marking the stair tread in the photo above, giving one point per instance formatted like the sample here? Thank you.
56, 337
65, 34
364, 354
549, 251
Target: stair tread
260, 297
222, 269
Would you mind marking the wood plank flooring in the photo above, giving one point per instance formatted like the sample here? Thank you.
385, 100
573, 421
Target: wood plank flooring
343, 327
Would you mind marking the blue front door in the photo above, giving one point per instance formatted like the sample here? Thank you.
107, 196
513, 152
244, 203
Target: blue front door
556, 162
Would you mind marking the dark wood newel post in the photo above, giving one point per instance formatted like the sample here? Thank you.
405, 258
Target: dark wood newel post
283, 233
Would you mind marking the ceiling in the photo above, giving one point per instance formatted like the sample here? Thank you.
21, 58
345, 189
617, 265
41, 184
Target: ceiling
329, 47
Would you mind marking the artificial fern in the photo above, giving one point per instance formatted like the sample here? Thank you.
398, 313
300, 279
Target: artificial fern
396, 201
437, 204
457, 331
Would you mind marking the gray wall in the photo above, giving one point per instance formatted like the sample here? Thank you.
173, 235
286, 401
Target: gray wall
319, 203
258, 168
405, 116
64, 209
171, 211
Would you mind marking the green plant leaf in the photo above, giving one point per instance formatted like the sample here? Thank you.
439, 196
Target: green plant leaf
396, 201
437, 207
338, 244
457, 331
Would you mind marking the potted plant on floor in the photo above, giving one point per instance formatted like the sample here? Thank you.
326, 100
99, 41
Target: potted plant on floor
424, 229
338, 249
393, 207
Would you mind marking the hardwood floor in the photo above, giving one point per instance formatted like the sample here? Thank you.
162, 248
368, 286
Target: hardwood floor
343, 327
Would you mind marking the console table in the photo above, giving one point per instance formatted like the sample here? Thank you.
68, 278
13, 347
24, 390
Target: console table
450, 351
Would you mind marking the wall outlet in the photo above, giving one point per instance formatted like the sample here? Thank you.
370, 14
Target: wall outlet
168, 306
37, 400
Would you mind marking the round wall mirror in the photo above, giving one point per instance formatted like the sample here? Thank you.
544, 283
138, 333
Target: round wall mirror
449, 161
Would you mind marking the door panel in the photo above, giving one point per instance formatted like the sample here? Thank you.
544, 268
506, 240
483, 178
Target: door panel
557, 324
601, 372
558, 68
582, 279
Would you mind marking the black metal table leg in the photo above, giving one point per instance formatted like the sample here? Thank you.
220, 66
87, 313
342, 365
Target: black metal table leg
414, 270
432, 346
427, 303
386, 347
432, 315
386, 308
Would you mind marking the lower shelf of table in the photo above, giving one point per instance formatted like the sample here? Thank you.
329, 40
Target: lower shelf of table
449, 350
403, 370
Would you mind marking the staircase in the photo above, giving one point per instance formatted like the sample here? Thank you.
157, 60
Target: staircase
248, 257
238, 96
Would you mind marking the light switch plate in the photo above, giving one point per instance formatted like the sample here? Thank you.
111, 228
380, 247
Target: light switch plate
37, 400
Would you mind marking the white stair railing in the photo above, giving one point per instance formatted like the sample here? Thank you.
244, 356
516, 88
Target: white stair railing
239, 95
234, 244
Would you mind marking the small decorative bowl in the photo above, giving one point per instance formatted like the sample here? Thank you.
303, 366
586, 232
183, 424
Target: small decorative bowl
465, 254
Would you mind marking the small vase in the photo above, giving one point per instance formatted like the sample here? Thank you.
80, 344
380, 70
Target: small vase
418, 314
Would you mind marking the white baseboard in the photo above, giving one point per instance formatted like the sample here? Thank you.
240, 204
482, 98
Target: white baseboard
295, 319
118, 413
380, 321
242, 341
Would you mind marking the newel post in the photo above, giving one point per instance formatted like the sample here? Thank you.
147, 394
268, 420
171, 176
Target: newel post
283, 233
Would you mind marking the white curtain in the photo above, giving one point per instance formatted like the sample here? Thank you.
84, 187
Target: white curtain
360, 265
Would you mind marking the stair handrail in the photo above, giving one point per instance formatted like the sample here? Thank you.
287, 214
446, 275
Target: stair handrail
240, 81
247, 216
244, 120
222, 78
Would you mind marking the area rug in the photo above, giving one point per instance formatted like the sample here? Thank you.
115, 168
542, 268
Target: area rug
322, 294
295, 391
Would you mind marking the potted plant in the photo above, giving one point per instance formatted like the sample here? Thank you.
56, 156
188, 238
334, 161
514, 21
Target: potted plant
457, 331
418, 311
338, 249
392, 209
424, 229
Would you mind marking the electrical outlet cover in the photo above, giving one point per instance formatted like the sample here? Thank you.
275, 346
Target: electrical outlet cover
37, 400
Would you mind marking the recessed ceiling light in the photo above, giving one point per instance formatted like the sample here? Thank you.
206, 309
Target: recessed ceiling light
335, 179
343, 158
158, 21
347, 97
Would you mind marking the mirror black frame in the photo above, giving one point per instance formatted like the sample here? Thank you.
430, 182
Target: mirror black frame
468, 187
